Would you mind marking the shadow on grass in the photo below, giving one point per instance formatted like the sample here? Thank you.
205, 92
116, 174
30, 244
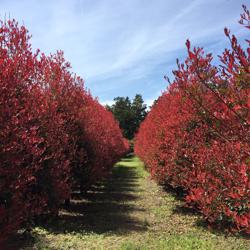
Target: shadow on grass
182, 209
220, 228
105, 208
179, 193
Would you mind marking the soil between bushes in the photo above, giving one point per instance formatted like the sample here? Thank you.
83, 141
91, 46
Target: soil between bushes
127, 211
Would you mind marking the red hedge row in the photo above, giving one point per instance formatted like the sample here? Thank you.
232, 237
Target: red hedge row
197, 135
54, 136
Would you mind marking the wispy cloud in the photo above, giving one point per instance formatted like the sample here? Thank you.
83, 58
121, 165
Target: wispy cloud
124, 47
107, 102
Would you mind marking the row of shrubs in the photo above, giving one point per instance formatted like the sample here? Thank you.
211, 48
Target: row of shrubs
54, 136
197, 135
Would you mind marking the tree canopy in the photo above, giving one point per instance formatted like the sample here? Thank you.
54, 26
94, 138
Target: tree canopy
129, 113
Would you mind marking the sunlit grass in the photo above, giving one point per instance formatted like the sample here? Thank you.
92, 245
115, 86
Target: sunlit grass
132, 213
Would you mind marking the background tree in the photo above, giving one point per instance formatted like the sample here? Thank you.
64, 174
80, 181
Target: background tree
128, 114
138, 109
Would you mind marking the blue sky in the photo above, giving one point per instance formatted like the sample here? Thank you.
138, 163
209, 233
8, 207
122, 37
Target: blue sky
124, 47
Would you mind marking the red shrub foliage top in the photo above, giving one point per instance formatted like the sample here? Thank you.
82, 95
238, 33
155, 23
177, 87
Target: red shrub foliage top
197, 135
53, 135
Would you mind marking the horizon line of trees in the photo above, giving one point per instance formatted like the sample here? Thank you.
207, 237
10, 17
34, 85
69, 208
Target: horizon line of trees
129, 113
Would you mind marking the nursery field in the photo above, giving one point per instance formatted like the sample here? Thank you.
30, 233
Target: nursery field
78, 174
128, 211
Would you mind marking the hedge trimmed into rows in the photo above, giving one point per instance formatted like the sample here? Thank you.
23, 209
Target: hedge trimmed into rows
197, 135
54, 136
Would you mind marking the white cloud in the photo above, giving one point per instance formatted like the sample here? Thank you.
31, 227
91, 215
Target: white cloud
107, 102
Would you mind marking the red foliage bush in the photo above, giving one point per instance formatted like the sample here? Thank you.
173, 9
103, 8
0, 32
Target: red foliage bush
197, 135
53, 134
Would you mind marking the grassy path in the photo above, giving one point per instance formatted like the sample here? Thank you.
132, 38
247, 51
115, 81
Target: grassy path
129, 211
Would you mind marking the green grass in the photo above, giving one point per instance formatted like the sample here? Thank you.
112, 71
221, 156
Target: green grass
129, 211
135, 163
187, 242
